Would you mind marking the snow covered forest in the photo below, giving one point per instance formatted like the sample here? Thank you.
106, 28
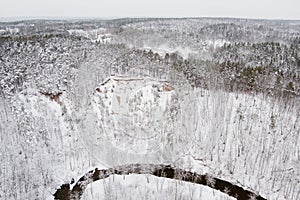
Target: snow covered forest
216, 98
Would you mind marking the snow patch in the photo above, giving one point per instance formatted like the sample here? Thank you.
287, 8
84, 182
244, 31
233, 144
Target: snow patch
149, 187
95, 35
136, 111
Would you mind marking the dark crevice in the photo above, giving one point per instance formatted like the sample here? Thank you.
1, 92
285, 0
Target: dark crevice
166, 171
53, 96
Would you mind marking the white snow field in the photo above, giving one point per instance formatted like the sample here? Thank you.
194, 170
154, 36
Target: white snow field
123, 104
148, 187
94, 116
212, 132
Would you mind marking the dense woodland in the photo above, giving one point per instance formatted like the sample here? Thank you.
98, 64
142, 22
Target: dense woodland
234, 112
253, 56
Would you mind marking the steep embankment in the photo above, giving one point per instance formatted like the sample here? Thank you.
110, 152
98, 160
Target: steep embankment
166, 171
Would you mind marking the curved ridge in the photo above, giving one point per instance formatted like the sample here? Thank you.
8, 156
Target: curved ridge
159, 170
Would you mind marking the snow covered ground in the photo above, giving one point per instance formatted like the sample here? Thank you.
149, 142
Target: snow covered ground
95, 35
149, 187
100, 119
133, 112
212, 132
185, 52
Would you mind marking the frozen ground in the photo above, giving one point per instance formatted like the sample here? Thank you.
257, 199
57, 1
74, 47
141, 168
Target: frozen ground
63, 113
211, 132
149, 187
218, 133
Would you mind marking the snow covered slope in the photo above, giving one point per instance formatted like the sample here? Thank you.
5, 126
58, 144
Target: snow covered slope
216, 132
69, 105
149, 187
212, 132
133, 112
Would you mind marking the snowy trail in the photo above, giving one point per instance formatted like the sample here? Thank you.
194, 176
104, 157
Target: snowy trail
166, 171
